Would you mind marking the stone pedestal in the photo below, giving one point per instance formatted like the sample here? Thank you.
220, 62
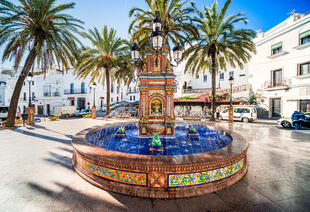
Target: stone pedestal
231, 114
31, 115
93, 112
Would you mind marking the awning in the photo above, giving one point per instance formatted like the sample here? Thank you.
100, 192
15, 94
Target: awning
276, 46
70, 98
297, 98
304, 34
101, 97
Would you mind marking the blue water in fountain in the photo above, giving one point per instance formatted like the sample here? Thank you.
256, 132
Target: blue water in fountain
209, 140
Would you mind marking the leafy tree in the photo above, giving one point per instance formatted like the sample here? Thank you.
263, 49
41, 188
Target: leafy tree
101, 61
221, 43
40, 29
177, 25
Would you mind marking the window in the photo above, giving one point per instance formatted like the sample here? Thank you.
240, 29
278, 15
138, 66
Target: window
277, 78
221, 76
33, 96
130, 98
276, 49
134, 98
304, 37
25, 97
112, 88
205, 78
231, 73
129, 89
83, 87
304, 106
117, 98
24, 83
32, 82
117, 90
197, 76
304, 68
71, 88
111, 99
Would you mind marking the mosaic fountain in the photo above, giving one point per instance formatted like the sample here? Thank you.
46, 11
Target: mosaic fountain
159, 157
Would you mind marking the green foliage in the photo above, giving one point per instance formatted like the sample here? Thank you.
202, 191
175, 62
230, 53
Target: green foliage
184, 86
41, 25
188, 97
189, 87
175, 15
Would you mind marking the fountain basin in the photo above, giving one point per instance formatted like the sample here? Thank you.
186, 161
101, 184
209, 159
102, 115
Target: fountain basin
160, 176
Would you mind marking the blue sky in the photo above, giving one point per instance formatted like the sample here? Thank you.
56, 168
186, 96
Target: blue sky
262, 14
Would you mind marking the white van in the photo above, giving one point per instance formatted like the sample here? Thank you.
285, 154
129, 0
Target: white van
242, 113
64, 111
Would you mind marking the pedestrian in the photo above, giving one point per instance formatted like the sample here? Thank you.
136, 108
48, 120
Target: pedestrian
297, 118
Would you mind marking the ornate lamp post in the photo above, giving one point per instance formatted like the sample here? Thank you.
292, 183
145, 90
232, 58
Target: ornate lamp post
231, 111
156, 109
30, 109
93, 112
29, 79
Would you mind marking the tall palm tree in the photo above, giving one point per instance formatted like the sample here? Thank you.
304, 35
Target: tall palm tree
101, 60
220, 44
41, 30
176, 21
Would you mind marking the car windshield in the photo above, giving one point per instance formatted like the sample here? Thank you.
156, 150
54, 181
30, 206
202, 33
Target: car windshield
4, 109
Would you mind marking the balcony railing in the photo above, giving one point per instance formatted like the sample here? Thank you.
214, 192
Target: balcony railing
75, 91
197, 90
269, 84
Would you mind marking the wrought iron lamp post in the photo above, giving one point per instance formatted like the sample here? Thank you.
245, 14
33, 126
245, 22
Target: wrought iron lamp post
93, 112
29, 79
231, 111
30, 109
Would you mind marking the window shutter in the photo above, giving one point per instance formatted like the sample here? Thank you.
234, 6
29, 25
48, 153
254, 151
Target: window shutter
304, 34
276, 46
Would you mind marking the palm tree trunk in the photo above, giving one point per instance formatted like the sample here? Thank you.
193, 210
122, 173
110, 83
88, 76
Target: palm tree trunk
107, 77
213, 72
18, 87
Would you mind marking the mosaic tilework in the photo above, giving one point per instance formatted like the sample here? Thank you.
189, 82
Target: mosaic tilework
125, 177
199, 178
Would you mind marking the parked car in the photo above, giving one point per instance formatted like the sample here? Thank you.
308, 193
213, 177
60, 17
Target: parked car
241, 113
288, 123
83, 112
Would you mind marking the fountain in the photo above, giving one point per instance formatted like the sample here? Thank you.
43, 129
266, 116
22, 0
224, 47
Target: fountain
159, 157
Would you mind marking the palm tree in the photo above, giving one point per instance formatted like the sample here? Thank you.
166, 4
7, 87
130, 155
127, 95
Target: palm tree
176, 21
220, 44
102, 60
42, 30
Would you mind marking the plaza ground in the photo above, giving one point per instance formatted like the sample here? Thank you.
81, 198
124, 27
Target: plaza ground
36, 173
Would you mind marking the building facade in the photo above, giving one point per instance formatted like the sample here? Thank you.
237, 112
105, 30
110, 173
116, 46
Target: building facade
280, 70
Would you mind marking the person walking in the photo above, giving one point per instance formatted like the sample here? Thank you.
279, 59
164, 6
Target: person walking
297, 118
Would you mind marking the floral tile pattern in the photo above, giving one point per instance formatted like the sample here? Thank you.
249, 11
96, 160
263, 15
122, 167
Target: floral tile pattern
120, 176
199, 178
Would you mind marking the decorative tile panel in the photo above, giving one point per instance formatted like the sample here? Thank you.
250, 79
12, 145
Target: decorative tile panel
204, 177
119, 176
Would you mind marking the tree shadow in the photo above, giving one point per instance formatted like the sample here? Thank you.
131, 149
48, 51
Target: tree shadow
60, 160
50, 138
70, 198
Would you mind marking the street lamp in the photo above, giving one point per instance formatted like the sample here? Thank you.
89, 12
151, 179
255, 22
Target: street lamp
231, 82
135, 52
94, 87
29, 78
157, 42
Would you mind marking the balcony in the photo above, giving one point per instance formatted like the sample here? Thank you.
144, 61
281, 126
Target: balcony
75, 91
279, 85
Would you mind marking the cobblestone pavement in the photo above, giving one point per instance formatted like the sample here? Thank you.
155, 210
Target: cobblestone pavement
36, 174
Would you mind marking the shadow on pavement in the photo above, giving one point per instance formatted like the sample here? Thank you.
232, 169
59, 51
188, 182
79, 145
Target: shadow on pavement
60, 160
73, 199
50, 138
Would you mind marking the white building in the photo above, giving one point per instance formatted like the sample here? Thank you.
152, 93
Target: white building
280, 70
58, 89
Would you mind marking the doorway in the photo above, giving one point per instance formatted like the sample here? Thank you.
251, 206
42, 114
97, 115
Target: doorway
40, 109
48, 109
81, 103
276, 107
